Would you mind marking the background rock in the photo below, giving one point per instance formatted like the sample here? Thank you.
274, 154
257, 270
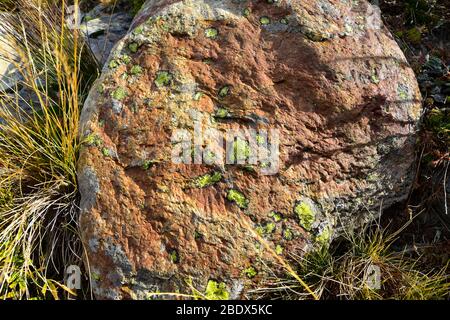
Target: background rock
8, 73
103, 29
327, 74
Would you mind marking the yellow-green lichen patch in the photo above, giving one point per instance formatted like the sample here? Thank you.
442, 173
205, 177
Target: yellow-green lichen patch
246, 12
138, 30
208, 180
284, 20
163, 79
323, 237
216, 291
136, 70
279, 250
197, 96
148, 164
250, 272
277, 217
241, 150
211, 33
106, 152
260, 139
305, 214
288, 234
264, 20
133, 47
238, 198
224, 91
119, 94
198, 235
221, 113
174, 256
125, 59
374, 77
101, 88
113, 64
265, 230
93, 140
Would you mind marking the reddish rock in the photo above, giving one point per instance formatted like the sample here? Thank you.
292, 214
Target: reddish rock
324, 73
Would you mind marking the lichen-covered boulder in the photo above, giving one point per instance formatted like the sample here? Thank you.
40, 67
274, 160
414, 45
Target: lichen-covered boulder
326, 74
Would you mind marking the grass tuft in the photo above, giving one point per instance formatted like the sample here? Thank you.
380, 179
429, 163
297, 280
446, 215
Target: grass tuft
39, 146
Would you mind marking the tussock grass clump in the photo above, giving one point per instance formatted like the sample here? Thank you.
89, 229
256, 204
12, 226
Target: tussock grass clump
39, 146
346, 272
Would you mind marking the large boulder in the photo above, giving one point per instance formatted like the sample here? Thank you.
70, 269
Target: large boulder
326, 74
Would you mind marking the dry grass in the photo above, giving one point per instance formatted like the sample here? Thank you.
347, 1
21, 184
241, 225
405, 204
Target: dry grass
344, 272
39, 146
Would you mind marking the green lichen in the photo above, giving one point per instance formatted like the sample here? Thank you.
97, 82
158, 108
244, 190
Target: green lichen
163, 78
264, 20
148, 164
93, 140
260, 139
246, 12
208, 180
211, 33
174, 256
288, 234
265, 230
224, 91
374, 78
133, 47
198, 95
323, 237
119, 94
138, 30
101, 88
238, 198
250, 272
305, 214
95, 276
279, 249
222, 113
277, 217
241, 150
136, 70
106, 152
198, 235
113, 64
216, 291
125, 59
284, 20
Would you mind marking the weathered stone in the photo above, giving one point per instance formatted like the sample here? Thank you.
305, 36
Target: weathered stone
102, 30
9, 75
326, 74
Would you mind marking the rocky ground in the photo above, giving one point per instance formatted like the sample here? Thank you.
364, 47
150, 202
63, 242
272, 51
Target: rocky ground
422, 30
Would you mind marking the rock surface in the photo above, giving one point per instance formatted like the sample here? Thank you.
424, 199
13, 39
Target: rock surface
326, 74
102, 30
9, 75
